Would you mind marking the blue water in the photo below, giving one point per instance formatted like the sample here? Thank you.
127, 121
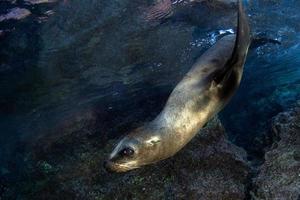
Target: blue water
271, 81
106, 56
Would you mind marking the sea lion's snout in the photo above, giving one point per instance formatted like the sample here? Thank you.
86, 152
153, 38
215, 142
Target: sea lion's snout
122, 159
112, 167
109, 166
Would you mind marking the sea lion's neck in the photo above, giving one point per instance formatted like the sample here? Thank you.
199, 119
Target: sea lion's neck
182, 124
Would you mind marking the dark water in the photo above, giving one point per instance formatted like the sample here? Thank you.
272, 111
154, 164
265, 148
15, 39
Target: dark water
107, 56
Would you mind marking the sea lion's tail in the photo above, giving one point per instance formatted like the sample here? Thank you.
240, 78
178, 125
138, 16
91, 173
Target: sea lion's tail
242, 43
243, 40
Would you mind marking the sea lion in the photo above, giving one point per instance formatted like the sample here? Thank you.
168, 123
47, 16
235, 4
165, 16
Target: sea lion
202, 93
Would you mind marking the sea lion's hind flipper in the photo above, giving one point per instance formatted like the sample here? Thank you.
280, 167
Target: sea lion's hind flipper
242, 42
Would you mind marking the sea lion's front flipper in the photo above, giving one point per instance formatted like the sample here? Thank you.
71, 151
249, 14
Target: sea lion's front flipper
240, 48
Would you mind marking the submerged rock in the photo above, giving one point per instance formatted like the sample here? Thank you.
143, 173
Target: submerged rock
15, 14
210, 167
279, 176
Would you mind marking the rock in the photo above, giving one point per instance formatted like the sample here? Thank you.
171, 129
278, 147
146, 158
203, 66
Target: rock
279, 176
15, 14
210, 167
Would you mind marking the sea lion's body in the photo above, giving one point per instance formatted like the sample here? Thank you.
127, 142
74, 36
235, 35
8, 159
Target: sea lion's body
197, 98
202, 93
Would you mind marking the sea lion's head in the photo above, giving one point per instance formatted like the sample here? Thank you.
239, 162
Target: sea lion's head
140, 147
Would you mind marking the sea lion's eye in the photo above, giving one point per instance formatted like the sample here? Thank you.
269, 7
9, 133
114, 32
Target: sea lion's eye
127, 152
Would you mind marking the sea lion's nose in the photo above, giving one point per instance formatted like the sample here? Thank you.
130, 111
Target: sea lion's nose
107, 166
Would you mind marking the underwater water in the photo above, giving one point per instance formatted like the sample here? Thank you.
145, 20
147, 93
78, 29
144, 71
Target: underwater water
116, 64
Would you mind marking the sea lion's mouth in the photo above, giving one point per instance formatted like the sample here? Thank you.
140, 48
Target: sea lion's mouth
115, 167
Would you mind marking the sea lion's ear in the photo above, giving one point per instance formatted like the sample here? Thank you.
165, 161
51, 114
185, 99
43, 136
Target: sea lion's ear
153, 141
